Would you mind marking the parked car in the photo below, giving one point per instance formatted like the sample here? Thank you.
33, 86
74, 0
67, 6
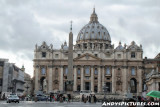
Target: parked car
12, 98
41, 97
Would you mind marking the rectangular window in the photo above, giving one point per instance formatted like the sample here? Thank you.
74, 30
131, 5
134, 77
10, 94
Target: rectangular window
78, 71
43, 72
119, 55
95, 71
133, 55
66, 71
108, 71
133, 71
56, 55
43, 54
87, 70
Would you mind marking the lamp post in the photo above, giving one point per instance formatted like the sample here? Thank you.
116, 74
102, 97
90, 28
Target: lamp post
27, 87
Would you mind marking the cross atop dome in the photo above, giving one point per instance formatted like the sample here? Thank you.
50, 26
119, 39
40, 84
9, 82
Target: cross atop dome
94, 18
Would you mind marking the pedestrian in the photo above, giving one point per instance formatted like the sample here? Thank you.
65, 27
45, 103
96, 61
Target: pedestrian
83, 98
50, 97
95, 99
64, 98
89, 99
4, 96
69, 98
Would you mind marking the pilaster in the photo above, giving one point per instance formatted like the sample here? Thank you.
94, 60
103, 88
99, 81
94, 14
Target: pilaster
99, 80
92, 79
82, 78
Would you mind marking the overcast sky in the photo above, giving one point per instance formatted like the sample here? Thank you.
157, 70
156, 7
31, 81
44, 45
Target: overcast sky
23, 23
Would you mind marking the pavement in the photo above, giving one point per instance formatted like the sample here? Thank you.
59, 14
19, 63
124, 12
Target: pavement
48, 104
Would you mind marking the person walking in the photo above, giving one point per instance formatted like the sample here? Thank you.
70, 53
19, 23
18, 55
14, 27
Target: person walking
83, 98
95, 99
89, 99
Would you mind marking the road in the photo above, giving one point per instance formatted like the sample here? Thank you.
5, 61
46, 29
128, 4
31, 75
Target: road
48, 104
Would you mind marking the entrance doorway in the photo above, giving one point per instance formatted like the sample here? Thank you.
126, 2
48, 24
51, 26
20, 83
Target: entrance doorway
42, 83
108, 84
95, 89
87, 85
78, 88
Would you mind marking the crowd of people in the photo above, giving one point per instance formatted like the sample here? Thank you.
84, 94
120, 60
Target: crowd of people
91, 98
60, 98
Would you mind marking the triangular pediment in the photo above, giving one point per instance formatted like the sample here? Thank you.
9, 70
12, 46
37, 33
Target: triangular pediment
87, 56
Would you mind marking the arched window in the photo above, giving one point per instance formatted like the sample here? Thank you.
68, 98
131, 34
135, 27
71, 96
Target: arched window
66, 71
78, 71
43, 71
95, 71
108, 71
87, 70
133, 71
133, 85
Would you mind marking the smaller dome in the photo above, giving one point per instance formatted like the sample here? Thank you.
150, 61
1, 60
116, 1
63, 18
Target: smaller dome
65, 47
119, 47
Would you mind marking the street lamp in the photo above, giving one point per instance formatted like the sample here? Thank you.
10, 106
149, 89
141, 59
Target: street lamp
27, 87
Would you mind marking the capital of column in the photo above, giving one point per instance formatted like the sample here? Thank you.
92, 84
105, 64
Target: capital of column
37, 66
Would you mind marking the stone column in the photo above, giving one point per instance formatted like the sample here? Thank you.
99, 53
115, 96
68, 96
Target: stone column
99, 80
75, 78
140, 80
61, 79
92, 79
157, 85
36, 78
50, 82
103, 70
113, 80
125, 80
82, 78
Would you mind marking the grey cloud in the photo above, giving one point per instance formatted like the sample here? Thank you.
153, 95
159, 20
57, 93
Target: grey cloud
125, 20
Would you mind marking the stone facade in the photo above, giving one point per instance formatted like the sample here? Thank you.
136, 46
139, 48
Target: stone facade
28, 86
152, 72
11, 78
95, 63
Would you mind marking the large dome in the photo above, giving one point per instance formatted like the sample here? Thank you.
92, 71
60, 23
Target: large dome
93, 30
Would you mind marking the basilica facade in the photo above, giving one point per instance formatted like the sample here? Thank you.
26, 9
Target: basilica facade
96, 63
